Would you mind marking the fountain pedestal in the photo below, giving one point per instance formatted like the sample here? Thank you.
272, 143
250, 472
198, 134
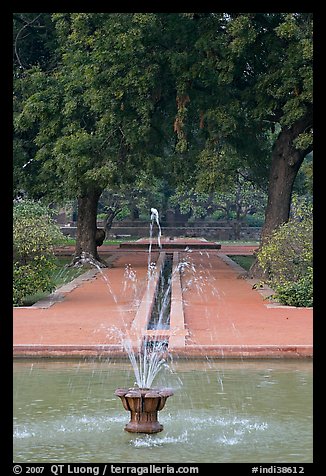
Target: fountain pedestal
143, 405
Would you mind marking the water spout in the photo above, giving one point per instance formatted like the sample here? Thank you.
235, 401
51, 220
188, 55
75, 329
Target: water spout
154, 216
149, 357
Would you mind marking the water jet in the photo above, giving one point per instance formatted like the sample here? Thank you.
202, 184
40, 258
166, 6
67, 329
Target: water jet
144, 402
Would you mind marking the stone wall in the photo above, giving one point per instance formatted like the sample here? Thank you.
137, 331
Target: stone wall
210, 232
216, 231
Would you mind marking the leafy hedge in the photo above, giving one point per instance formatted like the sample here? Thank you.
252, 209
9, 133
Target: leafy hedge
287, 258
34, 236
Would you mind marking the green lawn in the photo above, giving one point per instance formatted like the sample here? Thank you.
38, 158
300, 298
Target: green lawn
114, 241
239, 242
245, 261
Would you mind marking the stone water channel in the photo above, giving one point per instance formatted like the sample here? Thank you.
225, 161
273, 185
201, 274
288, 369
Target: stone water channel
160, 316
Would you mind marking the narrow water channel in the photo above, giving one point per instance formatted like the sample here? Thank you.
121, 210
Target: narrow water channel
160, 316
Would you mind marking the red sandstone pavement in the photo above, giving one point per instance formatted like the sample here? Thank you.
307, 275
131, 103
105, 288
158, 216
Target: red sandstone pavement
223, 315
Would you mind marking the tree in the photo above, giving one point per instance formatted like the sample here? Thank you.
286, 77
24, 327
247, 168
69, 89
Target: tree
284, 102
290, 104
237, 202
279, 67
34, 45
130, 199
250, 84
90, 116
128, 91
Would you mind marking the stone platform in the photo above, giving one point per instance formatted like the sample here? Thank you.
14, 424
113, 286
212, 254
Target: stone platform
180, 244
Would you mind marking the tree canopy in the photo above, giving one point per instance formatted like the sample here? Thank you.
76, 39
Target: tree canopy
100, 98
90, 115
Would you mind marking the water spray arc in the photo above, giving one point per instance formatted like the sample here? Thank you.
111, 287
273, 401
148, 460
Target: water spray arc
142, 401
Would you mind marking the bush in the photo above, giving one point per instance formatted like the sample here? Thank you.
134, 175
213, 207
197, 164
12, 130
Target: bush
299, 293
255, 220
34, 237
287, 258
32, 278
101, 216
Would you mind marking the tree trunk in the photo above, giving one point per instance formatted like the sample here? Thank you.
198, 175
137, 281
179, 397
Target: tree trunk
134, 213
112, 213
237, 230
86, 249
286, 162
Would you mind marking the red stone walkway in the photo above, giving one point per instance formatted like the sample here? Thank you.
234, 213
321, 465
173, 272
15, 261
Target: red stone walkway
223, 315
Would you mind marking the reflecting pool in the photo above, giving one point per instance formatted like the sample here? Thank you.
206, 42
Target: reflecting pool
221, 411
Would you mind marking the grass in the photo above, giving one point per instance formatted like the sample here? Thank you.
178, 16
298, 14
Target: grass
245, 261
114, 241
61, 275
238, 242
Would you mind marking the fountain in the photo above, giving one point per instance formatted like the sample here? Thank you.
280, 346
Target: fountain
224, 410
144, 402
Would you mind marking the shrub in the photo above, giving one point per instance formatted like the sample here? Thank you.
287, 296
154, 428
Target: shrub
299, 293
34, 236
255, 220
287, 258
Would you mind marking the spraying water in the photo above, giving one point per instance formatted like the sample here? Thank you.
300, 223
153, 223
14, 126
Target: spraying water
154, 216
147, 357
147, 353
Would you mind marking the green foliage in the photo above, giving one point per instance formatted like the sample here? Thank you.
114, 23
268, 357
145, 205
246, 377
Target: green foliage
104, 97
33, 277
287, 258
239, 200
256, 219
34, 236
59, 274
303, 184
245, 261
145, 192
85, 117
299, 293
101, 216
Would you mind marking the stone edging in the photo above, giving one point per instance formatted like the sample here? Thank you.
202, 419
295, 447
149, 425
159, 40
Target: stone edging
189, 351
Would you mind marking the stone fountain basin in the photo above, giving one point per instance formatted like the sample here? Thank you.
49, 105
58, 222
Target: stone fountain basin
143, 405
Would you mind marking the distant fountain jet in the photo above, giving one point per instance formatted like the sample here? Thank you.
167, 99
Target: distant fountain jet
154, 216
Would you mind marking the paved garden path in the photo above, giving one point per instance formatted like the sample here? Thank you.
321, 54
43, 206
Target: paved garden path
224, 316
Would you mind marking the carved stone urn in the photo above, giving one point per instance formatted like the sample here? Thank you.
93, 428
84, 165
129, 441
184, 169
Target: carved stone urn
143, 405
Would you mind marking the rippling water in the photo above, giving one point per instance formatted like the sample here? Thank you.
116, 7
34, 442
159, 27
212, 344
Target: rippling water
236, 411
